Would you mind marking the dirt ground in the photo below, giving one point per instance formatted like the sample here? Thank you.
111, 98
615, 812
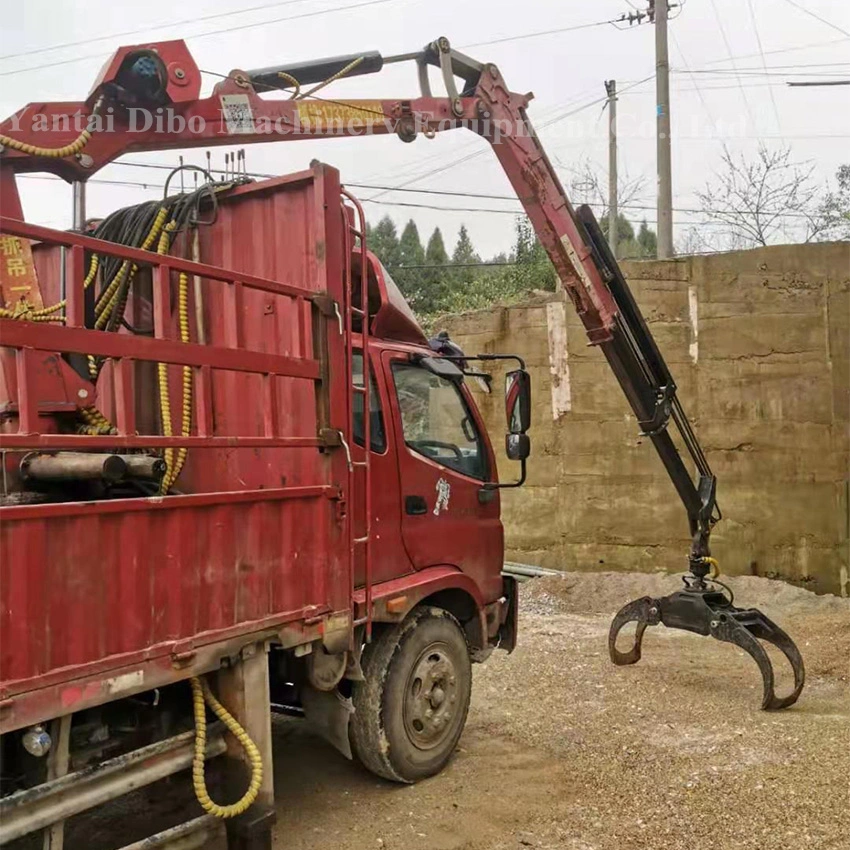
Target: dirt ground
564, 750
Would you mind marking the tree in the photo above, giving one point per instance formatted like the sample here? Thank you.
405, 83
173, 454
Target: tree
765, 200
625, 231
532, 269
383, 240
836, 206
643, 246
464, 257
647, 241
434, 283
411, 255
588, 184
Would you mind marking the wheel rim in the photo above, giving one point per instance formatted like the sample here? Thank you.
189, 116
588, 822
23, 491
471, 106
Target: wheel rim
431, 697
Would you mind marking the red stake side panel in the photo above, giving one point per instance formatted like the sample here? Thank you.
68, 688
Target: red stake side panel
139, 592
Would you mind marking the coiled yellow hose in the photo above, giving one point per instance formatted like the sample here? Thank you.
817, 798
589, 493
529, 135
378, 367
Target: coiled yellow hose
174, 462
201, 695
110, 296
292, 81
95, 422
24, 312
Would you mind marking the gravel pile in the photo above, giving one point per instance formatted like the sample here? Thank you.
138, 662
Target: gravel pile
673, 751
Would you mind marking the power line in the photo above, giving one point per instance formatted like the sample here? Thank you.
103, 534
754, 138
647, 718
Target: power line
774, 70
693, 78
811, 46
149, 29
824, 83
543, 126
817, 17
205, 34
764, 64
559, 30
440, 192
729, 51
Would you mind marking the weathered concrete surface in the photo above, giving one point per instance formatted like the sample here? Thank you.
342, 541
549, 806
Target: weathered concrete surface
759, 344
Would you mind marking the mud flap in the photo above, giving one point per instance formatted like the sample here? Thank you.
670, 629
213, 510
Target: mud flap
328, 713
507, 634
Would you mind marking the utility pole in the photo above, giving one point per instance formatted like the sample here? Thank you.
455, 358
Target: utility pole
78, 214
658, 10
613, 211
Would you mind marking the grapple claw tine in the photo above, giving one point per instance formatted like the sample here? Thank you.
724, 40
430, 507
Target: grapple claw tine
745, 628
646, 612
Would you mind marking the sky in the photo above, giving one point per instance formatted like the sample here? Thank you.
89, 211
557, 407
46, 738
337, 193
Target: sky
730, 61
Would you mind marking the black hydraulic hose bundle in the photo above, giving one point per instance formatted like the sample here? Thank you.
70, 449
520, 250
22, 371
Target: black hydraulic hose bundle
141, 226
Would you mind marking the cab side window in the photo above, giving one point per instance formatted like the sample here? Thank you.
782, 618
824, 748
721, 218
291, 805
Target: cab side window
437, 422
377, 435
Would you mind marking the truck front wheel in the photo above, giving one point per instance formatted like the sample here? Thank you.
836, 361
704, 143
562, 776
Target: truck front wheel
411, 709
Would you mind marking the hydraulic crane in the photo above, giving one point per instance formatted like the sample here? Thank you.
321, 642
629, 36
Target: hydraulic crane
148, 98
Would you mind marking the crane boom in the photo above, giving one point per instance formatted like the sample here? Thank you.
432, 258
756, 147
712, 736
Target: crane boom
148, 98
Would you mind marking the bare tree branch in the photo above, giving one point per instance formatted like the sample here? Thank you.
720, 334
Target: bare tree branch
765, 200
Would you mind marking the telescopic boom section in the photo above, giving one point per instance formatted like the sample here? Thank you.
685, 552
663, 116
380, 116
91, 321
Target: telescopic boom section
590, 275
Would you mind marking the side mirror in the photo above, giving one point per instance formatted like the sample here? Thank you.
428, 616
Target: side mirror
517, 446
518, 401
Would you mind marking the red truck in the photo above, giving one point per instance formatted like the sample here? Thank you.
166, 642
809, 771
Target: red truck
237, 475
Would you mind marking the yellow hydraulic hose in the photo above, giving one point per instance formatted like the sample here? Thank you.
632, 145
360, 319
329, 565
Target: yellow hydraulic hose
333, 78
174, 462
202, 694
715, 566
24, 312
110, 296
54, 153
38, 315
95, 422
292, 81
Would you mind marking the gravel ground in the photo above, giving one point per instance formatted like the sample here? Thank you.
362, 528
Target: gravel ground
564, 750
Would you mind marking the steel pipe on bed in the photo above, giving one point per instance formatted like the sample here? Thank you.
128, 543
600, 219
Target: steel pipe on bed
73, 466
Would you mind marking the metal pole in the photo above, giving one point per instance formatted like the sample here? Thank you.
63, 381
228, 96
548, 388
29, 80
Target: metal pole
78, 219
613, 209
662, 92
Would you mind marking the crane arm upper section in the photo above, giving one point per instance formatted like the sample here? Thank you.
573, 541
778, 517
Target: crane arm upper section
148, 98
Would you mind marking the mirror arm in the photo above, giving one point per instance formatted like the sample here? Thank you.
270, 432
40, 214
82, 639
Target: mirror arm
493, 485
485, 357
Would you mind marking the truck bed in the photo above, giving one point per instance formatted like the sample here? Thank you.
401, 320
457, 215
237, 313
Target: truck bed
107, 598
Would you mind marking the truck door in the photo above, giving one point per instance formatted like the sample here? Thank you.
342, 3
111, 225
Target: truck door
389, 557
444, 460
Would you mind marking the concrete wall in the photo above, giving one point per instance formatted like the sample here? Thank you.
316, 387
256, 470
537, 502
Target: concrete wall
759, 344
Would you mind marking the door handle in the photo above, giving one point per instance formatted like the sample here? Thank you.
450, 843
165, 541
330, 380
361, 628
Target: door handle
415, 505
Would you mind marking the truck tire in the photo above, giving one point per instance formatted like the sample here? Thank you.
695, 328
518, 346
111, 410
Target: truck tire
410, 711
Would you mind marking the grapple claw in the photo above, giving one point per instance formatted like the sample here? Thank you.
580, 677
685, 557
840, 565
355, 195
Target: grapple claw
646, 612
707, 611
745, 628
